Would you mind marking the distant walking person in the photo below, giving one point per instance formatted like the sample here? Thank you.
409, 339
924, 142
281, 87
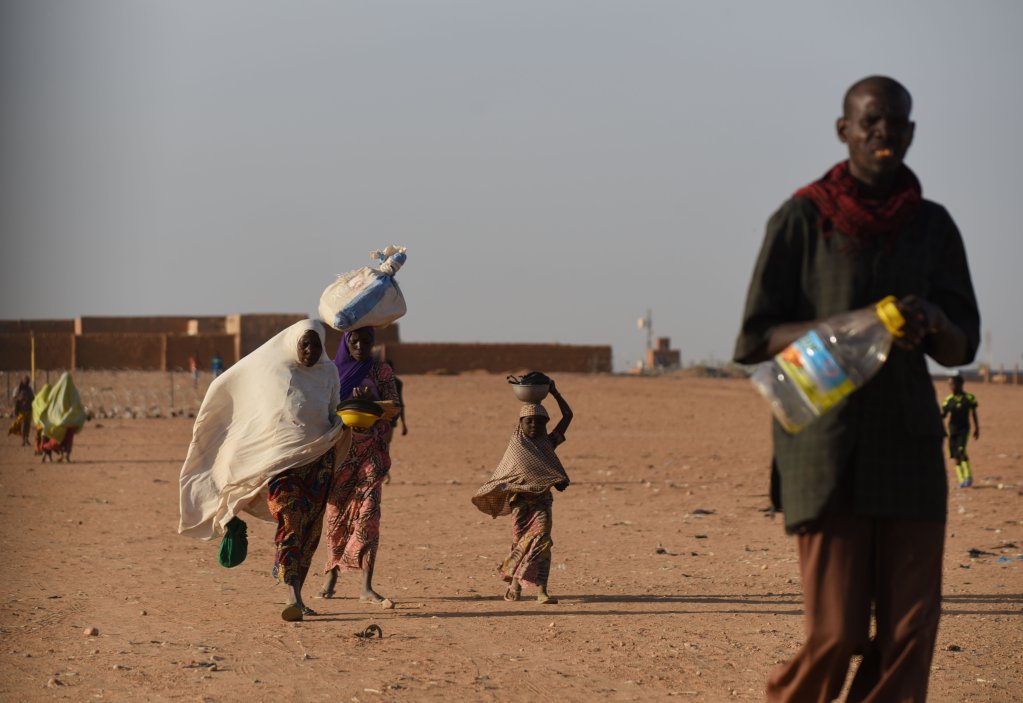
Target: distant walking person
521, 486
193, 368
400, 387
58, 414
864, 488
958, 408
23, 398
217, 364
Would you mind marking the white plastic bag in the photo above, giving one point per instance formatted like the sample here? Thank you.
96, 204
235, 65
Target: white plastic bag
366, 297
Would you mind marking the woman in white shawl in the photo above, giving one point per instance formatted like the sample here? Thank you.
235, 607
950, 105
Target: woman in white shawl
264, 442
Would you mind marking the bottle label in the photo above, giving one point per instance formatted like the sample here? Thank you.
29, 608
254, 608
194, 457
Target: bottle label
814, 370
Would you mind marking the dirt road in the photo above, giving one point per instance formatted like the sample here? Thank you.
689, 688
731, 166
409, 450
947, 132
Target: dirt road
675, 582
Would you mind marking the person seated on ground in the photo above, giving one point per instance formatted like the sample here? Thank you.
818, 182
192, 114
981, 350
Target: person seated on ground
353, 509
264, 442
521, 486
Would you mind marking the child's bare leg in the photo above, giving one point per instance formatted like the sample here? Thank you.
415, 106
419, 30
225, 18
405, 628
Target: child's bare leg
544, 598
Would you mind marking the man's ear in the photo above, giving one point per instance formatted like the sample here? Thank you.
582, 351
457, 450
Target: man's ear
841, 125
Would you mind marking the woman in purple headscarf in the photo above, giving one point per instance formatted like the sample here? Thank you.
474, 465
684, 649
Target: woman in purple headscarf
353, 507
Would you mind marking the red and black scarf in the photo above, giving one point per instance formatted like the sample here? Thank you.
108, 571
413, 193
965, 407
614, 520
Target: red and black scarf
842, 207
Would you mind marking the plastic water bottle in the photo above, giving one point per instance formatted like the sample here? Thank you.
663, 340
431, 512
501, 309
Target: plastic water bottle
829, 362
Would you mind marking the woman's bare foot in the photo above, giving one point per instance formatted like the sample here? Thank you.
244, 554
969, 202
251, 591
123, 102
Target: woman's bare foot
370, 596
514, 591
329, 583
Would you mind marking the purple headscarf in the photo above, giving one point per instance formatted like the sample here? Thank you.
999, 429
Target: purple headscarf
349, 369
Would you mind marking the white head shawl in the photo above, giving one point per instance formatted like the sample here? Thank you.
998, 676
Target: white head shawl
264, 415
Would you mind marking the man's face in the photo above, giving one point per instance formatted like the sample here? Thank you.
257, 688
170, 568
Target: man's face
956, 384
309, 348
533, 426
878, 132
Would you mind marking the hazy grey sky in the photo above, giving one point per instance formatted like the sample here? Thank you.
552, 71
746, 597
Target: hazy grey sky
555, 168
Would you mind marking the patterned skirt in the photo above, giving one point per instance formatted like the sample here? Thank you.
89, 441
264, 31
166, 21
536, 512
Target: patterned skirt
530, 557
297, 498
353, 508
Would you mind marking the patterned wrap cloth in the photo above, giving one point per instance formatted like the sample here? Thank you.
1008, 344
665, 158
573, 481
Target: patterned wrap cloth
353, 507
296, 498
532, 521
528, 466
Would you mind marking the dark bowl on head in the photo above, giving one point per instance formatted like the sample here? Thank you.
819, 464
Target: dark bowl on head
532, 393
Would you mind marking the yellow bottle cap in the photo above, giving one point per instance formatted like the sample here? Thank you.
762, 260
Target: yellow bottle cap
890, 316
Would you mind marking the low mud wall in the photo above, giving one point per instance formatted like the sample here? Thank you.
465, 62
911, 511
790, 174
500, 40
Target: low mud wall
181, 346
415, 357
252, 330
37, 326
144, 352
54, 350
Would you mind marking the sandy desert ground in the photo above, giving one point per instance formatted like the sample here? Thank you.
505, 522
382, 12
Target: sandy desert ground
675, 582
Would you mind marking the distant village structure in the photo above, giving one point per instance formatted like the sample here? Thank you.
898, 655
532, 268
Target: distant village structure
165, 343
661, 357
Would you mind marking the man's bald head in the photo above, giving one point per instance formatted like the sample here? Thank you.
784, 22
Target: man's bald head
879, 84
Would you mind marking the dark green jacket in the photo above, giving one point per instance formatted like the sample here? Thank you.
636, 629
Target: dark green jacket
878, 453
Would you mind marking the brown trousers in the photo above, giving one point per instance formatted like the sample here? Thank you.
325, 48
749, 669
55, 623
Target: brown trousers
848, 564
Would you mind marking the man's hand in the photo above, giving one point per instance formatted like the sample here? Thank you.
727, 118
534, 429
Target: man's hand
922, 318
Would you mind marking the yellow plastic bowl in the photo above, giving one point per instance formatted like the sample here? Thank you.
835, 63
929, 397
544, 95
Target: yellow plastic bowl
356, 418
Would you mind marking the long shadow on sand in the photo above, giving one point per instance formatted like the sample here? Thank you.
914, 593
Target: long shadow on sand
549, 610
751, 599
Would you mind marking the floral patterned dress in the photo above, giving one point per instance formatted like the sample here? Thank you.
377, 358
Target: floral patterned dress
353, 507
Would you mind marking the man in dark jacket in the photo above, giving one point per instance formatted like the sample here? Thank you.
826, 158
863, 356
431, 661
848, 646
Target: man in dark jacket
863, 488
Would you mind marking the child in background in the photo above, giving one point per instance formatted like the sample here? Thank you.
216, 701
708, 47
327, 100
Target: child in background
521, 486
958, 407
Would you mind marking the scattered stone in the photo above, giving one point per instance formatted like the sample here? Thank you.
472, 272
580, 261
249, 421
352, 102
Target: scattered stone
143, 612
53, 683
954, 648
90, 632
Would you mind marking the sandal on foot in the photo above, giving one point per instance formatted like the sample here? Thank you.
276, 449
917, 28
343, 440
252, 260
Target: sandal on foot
544, 599
306, 610
512, 594
327, 593
292, 613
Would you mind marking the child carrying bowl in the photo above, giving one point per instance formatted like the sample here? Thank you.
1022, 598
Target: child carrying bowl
521, 486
